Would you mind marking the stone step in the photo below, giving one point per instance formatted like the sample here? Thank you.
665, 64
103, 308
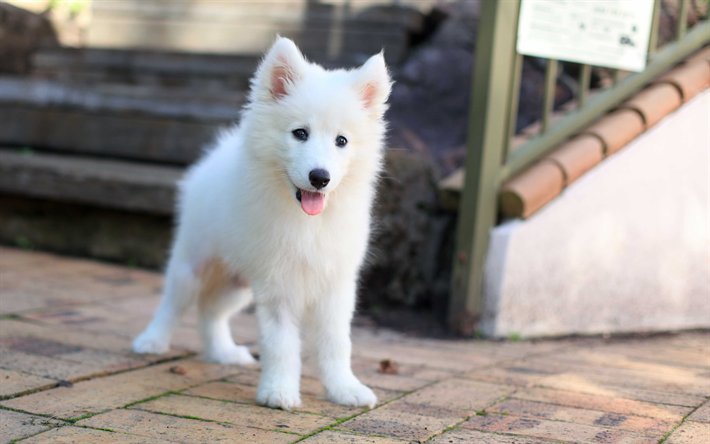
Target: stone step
208, 72
124, 121
106, 183
322, 30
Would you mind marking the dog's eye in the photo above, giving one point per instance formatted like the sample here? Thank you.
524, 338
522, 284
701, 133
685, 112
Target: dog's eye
341, 141
300, 134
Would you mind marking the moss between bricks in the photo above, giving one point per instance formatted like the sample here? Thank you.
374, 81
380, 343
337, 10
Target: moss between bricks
150, 398
667, 435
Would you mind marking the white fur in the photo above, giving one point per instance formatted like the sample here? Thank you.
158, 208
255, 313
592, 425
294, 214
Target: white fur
238, 206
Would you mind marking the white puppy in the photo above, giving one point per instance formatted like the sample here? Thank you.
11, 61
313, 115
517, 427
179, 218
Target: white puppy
281, 208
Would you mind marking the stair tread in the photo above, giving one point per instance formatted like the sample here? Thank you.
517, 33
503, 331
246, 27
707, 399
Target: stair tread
130, 99
109, 183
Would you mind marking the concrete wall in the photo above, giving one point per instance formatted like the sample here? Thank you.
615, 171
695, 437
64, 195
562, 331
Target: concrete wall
624, 249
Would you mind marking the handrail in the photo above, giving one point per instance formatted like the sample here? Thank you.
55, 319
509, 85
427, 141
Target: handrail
578, 119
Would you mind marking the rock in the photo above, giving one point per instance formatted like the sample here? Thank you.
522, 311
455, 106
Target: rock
21, 34
428, 110
405, 250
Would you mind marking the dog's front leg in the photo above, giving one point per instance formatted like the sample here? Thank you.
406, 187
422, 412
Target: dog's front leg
280, 356
332, 319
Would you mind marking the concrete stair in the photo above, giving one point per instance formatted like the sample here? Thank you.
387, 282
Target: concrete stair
93, 142
107, 183
138, 122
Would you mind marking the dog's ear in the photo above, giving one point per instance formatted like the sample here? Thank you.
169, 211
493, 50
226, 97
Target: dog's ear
374, 84
281, 68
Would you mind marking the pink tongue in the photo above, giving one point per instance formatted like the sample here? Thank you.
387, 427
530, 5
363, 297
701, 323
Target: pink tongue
312, 203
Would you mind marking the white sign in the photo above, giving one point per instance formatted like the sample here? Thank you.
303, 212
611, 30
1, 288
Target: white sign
610, 33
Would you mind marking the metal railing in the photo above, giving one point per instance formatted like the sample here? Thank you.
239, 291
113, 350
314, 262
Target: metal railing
492, 122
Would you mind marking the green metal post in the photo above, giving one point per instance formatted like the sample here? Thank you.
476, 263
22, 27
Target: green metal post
615, 76
514, 99
585, 76
682, 19
548, 102
487, 144
655, 22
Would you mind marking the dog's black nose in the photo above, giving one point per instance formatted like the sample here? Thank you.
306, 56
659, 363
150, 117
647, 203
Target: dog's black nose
319, 178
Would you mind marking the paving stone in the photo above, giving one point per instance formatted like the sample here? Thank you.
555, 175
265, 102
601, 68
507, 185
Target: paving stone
462, 396
338, 437
15, 425
172, 428
13, 383
575, 375
585, 382
321, 406
702, 414
17, 300
518, 373
49, 281
432, 374
643, 425
673, 354
432, 357
115, 319
77, 319
14, 258
237, 414
20, 296
97, 395
639, 373
665, 364
406, 378
563, 431
468, 436
44, 366
54, 341
697, 341
57, 360
475, 351
690, 433
228, 391
225, 391
71, 435
391, 382
128, 316
250, 376
404, 421
608, 404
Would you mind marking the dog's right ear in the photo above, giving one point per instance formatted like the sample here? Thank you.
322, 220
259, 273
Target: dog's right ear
281, 68
374, 84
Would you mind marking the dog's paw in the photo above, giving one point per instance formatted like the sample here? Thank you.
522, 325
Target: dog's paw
233, 354
147, 343
278, 397
354, 394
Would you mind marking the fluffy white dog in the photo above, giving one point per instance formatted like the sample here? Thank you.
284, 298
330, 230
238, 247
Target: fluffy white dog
280, 208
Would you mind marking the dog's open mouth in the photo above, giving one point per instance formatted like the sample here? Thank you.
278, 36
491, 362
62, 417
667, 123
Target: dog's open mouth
312, 202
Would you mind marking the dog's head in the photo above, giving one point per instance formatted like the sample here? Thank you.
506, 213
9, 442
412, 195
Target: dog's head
320, 127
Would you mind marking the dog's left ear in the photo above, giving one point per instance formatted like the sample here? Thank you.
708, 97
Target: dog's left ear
281, 68
374, 85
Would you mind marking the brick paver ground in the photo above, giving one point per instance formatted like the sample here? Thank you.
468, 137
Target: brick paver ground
67, 375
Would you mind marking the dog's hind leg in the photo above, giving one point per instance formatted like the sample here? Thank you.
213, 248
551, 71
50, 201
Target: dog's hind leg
181, 287
219, 346
221, 296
